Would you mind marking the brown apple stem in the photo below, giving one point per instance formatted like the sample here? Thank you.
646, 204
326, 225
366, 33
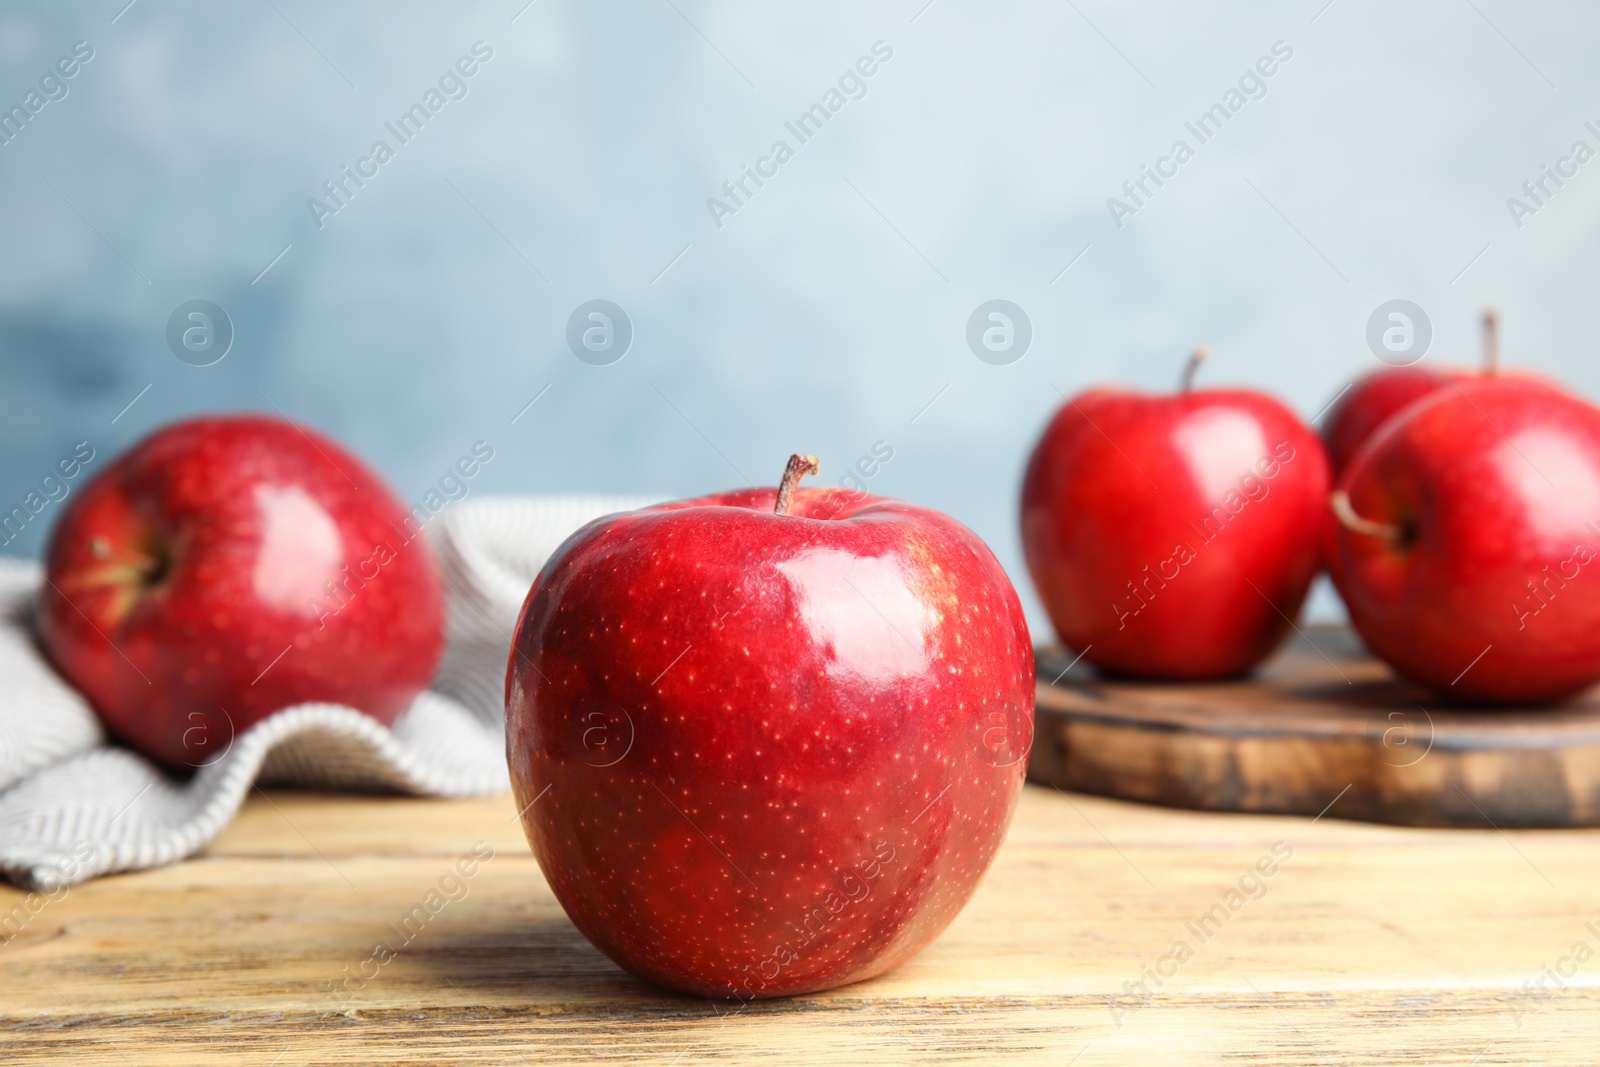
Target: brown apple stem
124, 564
1339, 501
1197, 357
798, 467
1491, 342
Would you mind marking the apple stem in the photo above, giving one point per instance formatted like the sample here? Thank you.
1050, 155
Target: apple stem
1491, 342
1197, 357
799, 466
1339, 501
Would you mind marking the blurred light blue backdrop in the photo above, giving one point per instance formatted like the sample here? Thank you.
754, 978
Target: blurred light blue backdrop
823, 310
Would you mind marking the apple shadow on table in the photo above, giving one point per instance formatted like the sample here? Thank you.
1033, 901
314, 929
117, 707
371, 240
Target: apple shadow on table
537, 961
510, 953
541, 963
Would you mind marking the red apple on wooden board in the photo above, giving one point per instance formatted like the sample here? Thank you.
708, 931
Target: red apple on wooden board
1467, 536
1372, 400
1173, 536
767, 741
226, 567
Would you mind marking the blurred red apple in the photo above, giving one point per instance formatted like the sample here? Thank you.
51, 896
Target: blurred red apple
1173, 536
1372, 400
1466, 539
766, 751
1375, 398
226, 567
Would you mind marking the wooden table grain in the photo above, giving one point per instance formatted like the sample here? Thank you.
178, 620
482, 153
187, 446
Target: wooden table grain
1106, 933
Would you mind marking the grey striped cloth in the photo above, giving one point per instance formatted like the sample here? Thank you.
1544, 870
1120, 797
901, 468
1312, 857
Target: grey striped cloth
74, 805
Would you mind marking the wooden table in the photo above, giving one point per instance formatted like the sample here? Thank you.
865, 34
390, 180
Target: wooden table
1371, 944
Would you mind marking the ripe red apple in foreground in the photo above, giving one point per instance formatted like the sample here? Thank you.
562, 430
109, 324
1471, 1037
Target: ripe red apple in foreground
226, 567
761, 751
1173, 536
1468, 530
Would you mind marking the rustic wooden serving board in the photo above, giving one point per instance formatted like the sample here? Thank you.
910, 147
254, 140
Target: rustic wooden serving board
1322, 727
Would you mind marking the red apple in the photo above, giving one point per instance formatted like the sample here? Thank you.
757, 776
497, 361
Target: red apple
1372, 400
1466, 539
766, 751
1173, 536
226, 567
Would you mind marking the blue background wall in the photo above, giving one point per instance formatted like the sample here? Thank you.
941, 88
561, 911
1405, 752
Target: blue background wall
829, 311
